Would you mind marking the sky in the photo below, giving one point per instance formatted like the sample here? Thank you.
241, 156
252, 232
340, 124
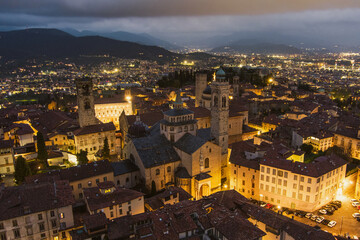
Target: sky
181, 20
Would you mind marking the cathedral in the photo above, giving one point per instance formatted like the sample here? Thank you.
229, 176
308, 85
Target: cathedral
175, 151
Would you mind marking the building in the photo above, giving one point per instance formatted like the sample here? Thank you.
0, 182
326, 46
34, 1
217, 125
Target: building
7, 164
21, 133
109, 109
36, 211
79, 177
170, 195
91, 139
201, 84
303, 186
126, 174
85, 102
348, 138
113, 201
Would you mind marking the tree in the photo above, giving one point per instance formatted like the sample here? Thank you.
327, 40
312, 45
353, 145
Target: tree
153, 187
82, 157
307, 148
22, 170
106, 149
42, 153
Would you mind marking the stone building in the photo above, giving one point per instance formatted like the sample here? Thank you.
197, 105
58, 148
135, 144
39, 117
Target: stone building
36, 211
174, 151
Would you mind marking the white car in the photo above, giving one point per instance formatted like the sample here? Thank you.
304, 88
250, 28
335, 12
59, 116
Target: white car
355, 237
322, 211
356, 215
353, 200
332, 224
320, 219
355, 204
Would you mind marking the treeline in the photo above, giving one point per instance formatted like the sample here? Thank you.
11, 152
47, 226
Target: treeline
177, 79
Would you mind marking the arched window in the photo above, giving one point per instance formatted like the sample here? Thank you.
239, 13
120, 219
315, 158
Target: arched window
206, 162
168, 169
157, 171
224, 101
215, 103
127, 179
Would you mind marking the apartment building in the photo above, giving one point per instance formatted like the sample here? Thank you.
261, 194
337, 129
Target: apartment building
113, 201
36, 211
303, 186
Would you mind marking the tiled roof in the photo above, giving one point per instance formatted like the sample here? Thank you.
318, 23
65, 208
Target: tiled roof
96, 200
148, 118
155, 150
189, 143
32, 198
316, 168
122, 167
181, 172
155, 202
103, 127
74, 173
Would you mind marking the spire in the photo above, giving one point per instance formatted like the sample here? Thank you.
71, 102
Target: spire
220, 75
178, 102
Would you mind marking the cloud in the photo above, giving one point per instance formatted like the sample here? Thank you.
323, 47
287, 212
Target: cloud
165, 8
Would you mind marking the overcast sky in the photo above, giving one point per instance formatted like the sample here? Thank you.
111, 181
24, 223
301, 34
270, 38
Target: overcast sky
172, 18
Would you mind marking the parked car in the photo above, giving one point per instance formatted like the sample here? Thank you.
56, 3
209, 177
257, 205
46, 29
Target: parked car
353, 200
355, 237
314, 217
334, 206
337, 202
320, 219
262, 204
332, 224
301, 213
355, 204
308, 215
356, 215
268, 206
325, 222
322, 211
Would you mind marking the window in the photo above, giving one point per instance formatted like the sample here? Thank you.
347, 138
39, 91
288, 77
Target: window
105, 179
127, 180
52, 214
268, 170
301, 179
295, 177
206, 162
285, 183
62, 215
308, 189
111, 214
97, 180
41, 227
318, 180
274, 172
29, 230
3, 236
80, 195
157, 171
79, 186
1, 226
301, 187
279, 181
294, 186
243, 182
280, 173
262, 169
118, 182
272, 180
307, 198
53, 223
168, 169
15, 223
262, 177
43, 235
285, 174
16, 233
120, 211
243, 174
309, 180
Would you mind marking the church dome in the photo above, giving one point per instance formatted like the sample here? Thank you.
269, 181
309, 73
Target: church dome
207, 90
220, 72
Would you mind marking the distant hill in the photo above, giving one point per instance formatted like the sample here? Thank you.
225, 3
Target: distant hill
142, 38
262, 48
53, 43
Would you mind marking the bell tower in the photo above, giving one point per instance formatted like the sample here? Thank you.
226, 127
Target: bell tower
200, 85
85, 101
220, 110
